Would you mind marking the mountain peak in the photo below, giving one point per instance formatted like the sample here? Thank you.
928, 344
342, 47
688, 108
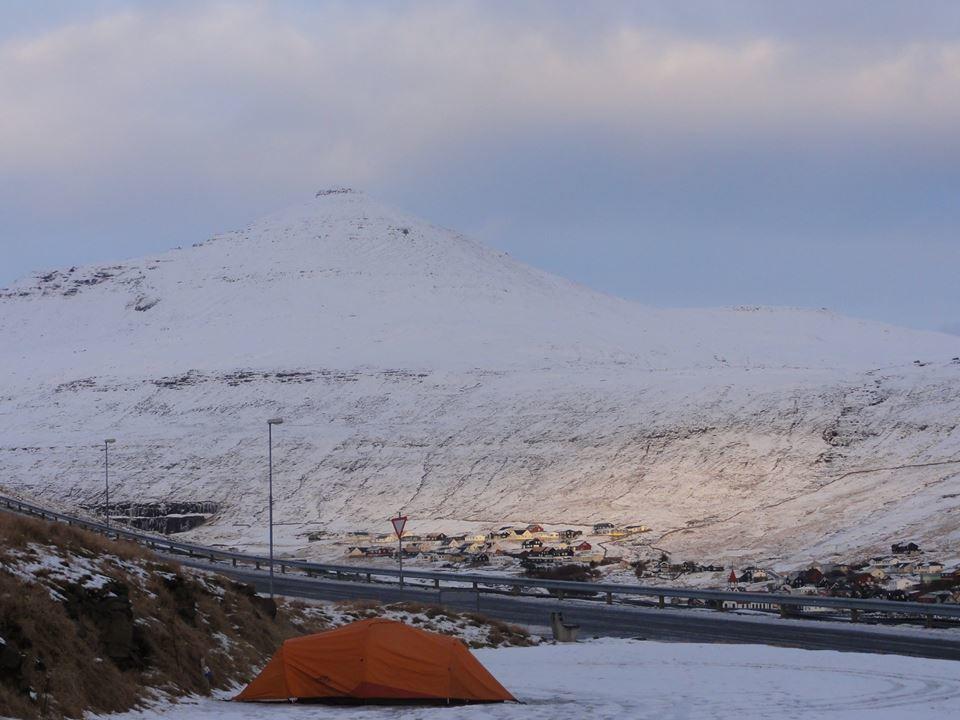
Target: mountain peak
338, 191
343, 281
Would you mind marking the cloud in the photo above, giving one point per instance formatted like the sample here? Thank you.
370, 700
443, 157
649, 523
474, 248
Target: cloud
710, 152
241, 95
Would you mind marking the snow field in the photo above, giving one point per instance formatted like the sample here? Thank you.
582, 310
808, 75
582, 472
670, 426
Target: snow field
627, 680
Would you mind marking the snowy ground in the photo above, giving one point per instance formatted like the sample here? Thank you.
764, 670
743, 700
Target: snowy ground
627, 679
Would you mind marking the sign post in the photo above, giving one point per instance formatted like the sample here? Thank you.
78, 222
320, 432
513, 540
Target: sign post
398, 523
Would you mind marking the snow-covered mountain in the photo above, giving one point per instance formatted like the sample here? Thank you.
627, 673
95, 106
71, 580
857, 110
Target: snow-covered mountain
419, 370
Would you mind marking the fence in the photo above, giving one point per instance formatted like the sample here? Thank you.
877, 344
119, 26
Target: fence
497, 583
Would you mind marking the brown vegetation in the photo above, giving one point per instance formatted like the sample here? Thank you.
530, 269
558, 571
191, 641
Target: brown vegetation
154, 628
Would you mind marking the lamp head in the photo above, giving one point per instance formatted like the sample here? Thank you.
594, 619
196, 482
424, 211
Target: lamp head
275, 421
110, 441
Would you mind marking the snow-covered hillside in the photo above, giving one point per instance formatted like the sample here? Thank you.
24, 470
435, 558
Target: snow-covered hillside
418, 370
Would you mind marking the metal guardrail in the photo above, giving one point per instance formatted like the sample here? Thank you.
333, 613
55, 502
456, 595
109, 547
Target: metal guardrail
515, 584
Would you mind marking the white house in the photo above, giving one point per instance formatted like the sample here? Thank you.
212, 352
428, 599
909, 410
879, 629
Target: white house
551, 535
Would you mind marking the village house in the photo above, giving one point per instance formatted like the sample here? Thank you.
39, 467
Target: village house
754, 574
532, 543
812, 576
603, 528
548, 535
900, 583
570, 534
902, 568
834, 569
583, 547
535, 528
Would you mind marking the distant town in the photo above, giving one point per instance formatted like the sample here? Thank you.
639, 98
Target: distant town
622, 553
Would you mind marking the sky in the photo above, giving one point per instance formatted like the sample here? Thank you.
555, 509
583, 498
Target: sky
704, 153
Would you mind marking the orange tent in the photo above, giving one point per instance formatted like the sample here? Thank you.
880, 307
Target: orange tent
375, 660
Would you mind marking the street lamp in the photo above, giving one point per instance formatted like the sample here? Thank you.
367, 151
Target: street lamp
270, 424
106, 473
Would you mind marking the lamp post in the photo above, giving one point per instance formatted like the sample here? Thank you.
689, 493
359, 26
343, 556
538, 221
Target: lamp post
270, 424
106, 475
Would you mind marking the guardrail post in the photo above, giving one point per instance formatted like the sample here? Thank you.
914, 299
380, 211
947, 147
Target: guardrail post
783, 610
212, 558
854, 614
283, 569
234, 561
609, 598
257, 563
928, 620
661, 603
436, 582
368, 578
476, 589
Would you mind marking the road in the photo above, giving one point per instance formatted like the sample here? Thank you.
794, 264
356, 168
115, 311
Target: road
597, 619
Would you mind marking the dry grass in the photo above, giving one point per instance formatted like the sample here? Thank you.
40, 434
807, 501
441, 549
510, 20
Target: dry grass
17, 532
113, 649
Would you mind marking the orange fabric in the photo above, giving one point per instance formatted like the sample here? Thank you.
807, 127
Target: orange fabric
375, 659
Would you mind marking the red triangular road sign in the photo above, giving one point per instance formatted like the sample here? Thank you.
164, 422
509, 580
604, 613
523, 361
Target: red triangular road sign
398, 523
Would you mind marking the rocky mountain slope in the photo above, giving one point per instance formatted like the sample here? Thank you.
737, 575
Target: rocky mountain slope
418, 370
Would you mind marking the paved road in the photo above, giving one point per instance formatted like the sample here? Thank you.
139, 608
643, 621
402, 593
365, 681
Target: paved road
597, 619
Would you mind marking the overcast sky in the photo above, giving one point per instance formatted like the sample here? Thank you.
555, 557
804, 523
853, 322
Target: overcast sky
678, 153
